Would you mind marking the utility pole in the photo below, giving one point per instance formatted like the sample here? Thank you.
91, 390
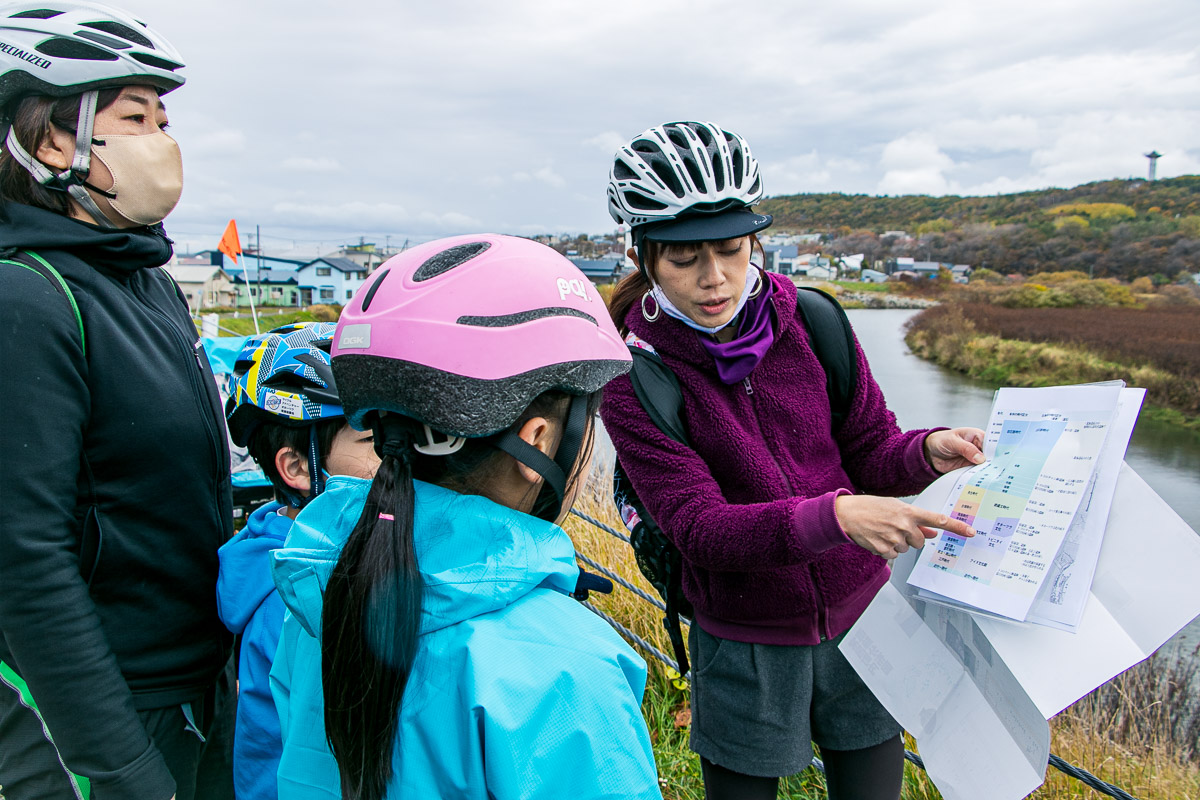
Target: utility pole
1154, 156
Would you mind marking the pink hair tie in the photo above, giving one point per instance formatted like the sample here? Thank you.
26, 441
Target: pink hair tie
388, 517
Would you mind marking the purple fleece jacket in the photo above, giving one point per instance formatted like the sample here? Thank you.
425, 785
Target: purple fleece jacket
750, 504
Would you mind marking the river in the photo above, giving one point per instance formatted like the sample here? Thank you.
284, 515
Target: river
922, 395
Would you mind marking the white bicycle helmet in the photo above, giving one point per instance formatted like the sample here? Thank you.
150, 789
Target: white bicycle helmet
686, 181
65, 48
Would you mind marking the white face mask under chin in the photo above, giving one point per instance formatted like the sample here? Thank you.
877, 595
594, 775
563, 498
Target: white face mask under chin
660, 297
147, 173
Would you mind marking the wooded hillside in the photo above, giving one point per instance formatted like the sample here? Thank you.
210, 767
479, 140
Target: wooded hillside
1116, 228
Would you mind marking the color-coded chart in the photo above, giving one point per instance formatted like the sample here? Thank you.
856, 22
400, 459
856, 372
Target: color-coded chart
1043, 450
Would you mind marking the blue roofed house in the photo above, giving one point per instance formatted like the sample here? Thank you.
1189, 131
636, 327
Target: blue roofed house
601, 270
329, 279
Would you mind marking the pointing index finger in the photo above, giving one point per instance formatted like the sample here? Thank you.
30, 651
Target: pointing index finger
933, 519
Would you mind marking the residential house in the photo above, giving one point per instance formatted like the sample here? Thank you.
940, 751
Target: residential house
204, 285
780, 258
254, 261
267, 287
601, 270
813, 266
329, 280
927, 269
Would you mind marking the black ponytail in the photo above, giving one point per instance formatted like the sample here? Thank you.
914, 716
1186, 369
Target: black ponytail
372, 608
370, 621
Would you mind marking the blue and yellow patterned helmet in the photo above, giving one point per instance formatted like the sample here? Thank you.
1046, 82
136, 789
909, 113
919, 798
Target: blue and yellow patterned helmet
284, 377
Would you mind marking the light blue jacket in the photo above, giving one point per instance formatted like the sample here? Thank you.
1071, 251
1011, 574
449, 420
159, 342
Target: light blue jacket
517, 691
248, 604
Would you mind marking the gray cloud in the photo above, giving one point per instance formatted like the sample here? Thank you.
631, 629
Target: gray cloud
321, 120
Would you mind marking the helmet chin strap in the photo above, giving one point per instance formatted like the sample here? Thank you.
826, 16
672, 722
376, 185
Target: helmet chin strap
549, 502
72, 180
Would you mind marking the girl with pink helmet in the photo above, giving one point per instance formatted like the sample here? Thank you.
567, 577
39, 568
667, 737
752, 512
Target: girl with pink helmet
435, 646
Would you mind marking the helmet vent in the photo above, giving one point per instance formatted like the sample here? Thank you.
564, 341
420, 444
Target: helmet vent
705, 135
155, 61
123, 31
694, 173
76, 50
635, 200
667, 175
755, 188
622, 172
107, 41
37, 13
448, 259
678, 139
737, 168
718, 172
509, 320
374, 288
645, 146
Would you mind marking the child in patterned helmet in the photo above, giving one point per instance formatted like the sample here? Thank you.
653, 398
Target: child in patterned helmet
285, 411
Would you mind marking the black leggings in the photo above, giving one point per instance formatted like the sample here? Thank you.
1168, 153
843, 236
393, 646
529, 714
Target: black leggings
873, 773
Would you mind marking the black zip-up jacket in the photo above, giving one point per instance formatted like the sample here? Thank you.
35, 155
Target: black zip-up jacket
114, 497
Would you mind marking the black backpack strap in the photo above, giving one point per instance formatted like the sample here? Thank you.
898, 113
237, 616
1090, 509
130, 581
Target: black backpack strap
658, 391
588, 583
832, 339
35, 263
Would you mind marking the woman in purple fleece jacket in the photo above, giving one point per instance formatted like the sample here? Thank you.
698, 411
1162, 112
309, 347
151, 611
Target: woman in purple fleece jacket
779, 517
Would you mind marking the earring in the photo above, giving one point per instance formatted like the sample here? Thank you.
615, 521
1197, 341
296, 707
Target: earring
657, 308
758, 287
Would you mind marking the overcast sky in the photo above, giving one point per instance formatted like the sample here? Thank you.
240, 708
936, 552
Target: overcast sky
325, 121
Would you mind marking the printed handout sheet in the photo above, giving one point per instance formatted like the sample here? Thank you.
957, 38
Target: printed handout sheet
1043, 446
976, 691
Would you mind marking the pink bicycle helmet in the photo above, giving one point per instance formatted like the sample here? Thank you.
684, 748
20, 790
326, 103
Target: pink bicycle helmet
463, 333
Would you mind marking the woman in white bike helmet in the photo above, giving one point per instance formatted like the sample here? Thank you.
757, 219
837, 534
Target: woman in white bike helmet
773, 502
116, 481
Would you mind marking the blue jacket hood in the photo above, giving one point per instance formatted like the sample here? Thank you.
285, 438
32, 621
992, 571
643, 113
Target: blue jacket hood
245, 577
475, 556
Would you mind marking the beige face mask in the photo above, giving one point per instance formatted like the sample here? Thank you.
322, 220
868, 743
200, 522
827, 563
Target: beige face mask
147, 175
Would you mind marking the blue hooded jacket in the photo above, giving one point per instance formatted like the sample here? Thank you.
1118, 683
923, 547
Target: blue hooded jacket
517, 690
248, 604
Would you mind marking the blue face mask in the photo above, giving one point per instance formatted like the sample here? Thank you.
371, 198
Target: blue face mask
752, 279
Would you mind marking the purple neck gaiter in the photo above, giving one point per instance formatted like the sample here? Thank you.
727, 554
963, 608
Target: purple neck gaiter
737, 358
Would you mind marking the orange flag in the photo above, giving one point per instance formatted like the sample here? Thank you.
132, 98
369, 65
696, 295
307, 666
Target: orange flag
230, 244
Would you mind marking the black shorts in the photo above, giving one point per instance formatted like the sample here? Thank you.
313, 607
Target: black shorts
756, 708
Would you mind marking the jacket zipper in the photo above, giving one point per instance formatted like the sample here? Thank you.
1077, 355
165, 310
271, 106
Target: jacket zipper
198, 390
762, 437
822, 622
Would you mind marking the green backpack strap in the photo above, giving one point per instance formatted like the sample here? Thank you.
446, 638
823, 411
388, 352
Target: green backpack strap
43, 267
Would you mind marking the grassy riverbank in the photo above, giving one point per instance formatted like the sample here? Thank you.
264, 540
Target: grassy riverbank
1154, 348
1139, 731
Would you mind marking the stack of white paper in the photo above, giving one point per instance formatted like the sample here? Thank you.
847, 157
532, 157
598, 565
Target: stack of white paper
976, 692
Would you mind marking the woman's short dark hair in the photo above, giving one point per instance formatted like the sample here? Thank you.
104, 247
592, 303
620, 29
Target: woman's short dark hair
32, 119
